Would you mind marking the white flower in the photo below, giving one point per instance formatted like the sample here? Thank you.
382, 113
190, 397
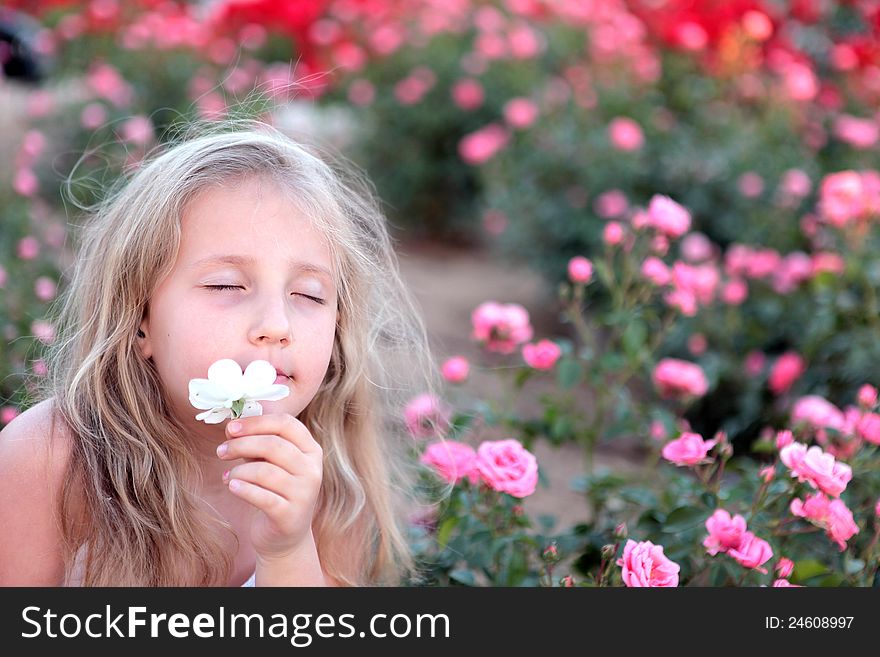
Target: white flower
227, 393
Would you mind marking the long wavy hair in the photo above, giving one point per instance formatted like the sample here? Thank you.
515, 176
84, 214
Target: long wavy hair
130, 469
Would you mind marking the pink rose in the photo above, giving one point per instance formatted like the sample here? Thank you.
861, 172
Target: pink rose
696, 247
869, 428
452, 460
725, 533
786, 370
456, 369
752, 552
816, 467
784, 567
817, 412
656, 271
784, 438
468, 94
784, 583
580, 270
613, 233
831, 515
645, 565
501, 327
859, 133
867, 396
668, 217
506, 466
480, 146
426, 416
611, 204
626, 134
541, 356
689, 449
674, 377
520, 112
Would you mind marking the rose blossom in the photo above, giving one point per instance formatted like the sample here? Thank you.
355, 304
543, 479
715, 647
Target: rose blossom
542, 355
506, 466
645, 565
674, 377
831, 515
426, 416
613, 233
580, 270
456, 369
656, 271
818, 412
784, 583
816, 467
501, 326
480, 146
688, 449
668, 217
868, 428
752, 552
452, 460
626, 134
784, 567
867, 396
725, 532
520, 112
786, 370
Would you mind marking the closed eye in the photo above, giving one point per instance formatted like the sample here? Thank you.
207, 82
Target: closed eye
239, 287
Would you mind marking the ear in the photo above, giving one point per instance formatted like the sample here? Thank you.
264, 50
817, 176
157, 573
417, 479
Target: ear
143, 340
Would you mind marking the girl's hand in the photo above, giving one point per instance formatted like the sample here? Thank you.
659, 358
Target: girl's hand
282, 481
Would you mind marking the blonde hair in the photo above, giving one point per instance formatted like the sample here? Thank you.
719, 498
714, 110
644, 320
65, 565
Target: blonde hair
143, 525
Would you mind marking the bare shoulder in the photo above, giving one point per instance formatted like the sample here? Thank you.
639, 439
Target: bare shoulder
33, 461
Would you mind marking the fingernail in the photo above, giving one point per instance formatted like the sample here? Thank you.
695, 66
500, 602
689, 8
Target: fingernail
222, 449
234, 427
235, 484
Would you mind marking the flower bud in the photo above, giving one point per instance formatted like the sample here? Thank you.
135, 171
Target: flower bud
608, 551
550, 554
620, 532
784, 567
567, 582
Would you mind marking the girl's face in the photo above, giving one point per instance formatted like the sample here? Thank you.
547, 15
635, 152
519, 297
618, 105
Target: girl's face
249, 237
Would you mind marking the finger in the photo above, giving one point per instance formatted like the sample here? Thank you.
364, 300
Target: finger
265, 500
267, 476
281, 424
271, 448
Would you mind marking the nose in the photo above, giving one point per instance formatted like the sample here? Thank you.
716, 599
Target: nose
272, 322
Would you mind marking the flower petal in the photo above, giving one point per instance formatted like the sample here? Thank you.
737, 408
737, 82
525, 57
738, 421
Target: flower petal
226, 373
258, 375
214, 415
205, 394
273, 392
251, 409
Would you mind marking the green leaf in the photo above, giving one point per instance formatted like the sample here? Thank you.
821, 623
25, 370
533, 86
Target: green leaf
445, 530
807, 568
683, 518
634, 337
237, 408
569, 373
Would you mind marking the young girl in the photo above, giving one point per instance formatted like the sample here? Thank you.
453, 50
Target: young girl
236, 243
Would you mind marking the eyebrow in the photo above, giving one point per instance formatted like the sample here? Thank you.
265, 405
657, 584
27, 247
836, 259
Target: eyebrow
247, 260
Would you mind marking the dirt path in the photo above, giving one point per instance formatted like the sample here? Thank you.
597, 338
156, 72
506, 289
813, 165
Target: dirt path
449, 283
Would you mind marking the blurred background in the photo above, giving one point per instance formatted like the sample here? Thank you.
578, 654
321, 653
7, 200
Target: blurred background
504, 138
